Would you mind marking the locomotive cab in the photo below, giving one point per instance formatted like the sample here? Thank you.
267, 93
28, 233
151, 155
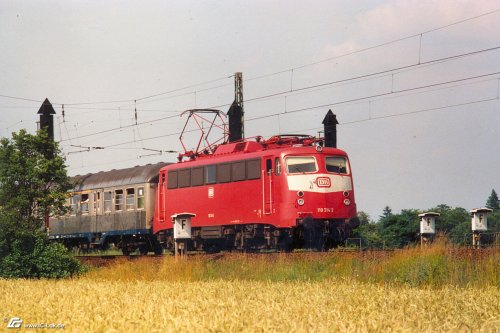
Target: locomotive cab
320, 193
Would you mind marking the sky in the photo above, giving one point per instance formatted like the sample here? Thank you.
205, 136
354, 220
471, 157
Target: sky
415, 84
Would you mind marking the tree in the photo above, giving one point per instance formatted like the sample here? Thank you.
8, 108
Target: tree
398, 230
364, 218
368, 232
492, 202
33, 185
386, 212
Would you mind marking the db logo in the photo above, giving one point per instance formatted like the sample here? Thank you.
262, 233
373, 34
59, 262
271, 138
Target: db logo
323, 182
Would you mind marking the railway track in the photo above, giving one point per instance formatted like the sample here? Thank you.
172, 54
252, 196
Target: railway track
106, 260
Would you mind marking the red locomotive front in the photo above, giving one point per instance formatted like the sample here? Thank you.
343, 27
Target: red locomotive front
287, 192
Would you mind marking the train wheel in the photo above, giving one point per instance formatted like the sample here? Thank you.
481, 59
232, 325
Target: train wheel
158, 250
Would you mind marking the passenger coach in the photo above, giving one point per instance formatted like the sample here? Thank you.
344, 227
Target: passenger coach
112, 207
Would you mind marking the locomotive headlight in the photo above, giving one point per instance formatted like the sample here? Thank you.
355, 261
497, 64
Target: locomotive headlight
300, 202
300, 194
347, 202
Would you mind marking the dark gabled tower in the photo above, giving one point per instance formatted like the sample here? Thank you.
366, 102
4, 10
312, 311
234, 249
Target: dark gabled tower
330, 127
46, 113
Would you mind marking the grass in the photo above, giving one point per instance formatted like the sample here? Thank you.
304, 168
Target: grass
436, 266
437, 289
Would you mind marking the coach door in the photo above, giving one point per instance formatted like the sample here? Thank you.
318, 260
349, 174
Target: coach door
160, 197
97, 209
267, 185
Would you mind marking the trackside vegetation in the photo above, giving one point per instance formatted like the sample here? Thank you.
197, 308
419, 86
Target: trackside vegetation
33, 185
434, 266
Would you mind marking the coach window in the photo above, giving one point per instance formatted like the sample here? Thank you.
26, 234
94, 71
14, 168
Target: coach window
130, 201
210, 174
336, 164
73, 202
238, 171
277, 166
140, 198
97, 203
107, 201
253, 169
197, 176
84, 204
172, 179
118, 200
223, 173
184, 178
300, 164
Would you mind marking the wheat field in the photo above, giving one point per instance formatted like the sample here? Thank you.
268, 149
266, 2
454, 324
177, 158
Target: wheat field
97, 303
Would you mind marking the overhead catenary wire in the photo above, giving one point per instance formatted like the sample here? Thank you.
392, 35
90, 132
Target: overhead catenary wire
315, 128
375, 46
134, 100
270, 74
364, 98
302, 89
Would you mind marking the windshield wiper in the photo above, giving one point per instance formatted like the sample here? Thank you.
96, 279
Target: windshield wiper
296, 168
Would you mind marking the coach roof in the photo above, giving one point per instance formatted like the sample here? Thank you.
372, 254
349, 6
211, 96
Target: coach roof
121, 177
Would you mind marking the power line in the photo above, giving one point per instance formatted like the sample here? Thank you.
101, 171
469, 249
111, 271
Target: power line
21, 98
118, 128
113, 147
374, 46
377, 95
361, 78
392, 93
271, 74
358, 78
147, 97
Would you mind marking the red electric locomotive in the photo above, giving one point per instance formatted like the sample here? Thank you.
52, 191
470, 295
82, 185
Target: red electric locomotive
290, 191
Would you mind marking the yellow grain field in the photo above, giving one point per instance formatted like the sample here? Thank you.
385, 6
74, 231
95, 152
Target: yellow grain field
89, 305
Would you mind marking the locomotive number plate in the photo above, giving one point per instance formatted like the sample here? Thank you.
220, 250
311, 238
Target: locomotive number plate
325, 210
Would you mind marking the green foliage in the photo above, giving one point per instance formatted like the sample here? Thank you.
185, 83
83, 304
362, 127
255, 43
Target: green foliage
492, 202
33, 185
399, 230
31, 256
368, 231
33, 177
386, 212
370, 236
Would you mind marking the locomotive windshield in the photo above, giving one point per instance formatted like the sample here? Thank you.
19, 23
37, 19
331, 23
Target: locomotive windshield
336, 164
300, 164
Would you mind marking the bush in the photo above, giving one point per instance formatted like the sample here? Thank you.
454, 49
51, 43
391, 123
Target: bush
33, 256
